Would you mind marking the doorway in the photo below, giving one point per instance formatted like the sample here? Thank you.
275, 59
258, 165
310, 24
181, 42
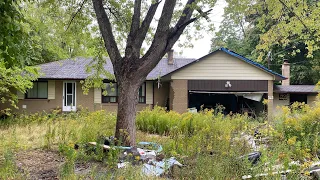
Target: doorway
69, 96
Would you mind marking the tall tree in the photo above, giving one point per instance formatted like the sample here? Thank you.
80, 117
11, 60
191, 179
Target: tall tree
128, 18
62, 29
249, 40
16, 50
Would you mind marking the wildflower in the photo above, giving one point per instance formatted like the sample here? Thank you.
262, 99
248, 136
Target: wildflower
292, 140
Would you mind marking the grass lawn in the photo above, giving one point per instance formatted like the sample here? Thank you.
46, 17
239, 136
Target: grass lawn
208, 143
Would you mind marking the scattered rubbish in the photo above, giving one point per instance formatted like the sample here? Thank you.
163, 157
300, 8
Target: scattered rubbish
158, 168
192, 110
253, 157
146, 153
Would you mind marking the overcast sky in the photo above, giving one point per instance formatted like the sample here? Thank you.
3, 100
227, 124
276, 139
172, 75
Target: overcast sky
202, 46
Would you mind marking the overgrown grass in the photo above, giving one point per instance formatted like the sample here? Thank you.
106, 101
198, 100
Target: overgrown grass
208, 143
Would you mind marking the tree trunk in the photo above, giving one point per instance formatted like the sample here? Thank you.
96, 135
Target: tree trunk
126, 118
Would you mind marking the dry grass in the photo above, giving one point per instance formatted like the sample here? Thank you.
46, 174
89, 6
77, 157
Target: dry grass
205, 142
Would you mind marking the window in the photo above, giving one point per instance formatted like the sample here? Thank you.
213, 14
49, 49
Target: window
112, 93
38, 91
142, 93
283, 96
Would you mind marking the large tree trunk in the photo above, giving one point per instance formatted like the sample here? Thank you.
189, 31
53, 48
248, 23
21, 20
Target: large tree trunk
127, 105
132, 69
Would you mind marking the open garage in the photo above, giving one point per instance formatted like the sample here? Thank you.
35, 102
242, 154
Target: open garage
232, 102
237, 96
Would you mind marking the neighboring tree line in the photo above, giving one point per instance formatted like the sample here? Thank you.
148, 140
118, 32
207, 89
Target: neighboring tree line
269, 31
34, 32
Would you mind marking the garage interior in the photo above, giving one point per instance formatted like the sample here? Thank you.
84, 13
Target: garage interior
235, 96
232, 102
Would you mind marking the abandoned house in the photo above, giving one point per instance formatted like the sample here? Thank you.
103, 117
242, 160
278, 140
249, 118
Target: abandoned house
222, 77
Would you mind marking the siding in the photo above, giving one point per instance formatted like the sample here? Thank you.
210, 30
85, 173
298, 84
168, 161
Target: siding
312, 99
97, 96
278, 103
51, 89
149, 92
222, 66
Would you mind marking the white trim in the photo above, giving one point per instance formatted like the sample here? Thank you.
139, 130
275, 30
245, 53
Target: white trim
69, 108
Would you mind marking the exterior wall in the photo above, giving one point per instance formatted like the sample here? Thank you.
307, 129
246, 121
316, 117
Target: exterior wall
278, 103
82, 100
222, 66
270, 100
179, 95
161, 95
113, 107
40, 105
55, 99
312, 98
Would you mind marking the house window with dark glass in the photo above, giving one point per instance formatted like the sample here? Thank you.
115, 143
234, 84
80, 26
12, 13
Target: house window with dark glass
38, 91
142, 93
112, 93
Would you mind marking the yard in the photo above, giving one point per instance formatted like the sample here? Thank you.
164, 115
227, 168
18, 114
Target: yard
208, 144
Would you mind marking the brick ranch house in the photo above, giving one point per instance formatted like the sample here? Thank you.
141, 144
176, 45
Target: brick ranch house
221, 77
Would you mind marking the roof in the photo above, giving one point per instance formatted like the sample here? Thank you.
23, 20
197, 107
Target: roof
308, 89
75, 68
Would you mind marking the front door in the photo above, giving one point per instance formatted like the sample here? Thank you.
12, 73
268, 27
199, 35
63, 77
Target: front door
69, 96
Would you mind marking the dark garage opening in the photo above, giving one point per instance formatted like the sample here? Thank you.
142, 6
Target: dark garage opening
232, 103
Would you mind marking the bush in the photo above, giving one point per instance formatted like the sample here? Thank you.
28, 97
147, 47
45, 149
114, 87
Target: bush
299, 126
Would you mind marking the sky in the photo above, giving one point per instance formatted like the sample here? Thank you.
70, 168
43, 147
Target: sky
202, 46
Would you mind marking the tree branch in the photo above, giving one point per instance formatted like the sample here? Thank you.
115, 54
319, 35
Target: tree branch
106, 31
159, 44
135, 24
177, 31
135, 39
166, 16
75, 14
186, 14
284, 4
146, 24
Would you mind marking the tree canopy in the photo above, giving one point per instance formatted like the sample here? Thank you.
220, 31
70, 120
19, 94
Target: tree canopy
274, 30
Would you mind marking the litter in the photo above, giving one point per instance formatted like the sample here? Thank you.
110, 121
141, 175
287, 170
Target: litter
157, 168
147, 153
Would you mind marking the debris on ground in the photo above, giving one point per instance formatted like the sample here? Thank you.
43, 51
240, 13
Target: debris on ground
147, 153
256, 142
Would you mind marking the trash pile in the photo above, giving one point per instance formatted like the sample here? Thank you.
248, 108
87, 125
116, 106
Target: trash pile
256, 143
146, 153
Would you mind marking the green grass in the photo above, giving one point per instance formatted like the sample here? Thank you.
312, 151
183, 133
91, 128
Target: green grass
206, 142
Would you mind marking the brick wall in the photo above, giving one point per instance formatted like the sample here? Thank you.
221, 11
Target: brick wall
270, 99
179, 95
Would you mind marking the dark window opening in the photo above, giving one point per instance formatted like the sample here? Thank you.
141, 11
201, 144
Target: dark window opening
112, 93
142, 93
298, 98
38, 91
